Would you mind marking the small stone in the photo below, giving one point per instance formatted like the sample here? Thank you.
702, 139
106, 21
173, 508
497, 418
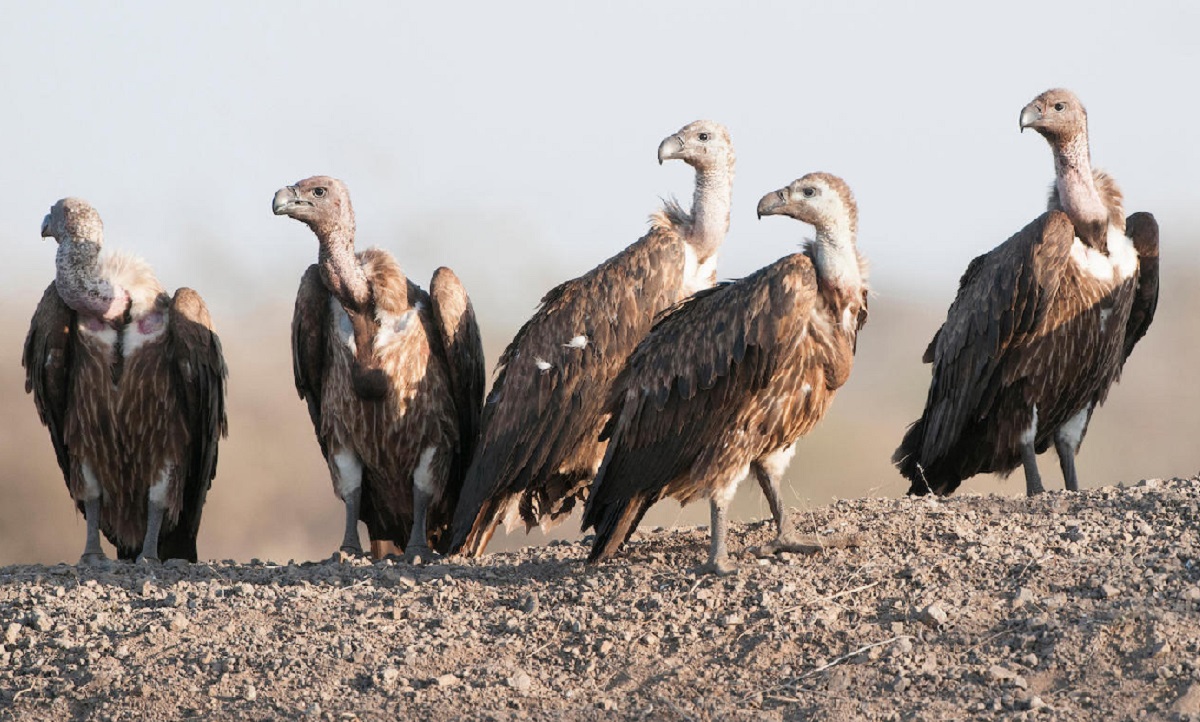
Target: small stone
121, 652
605, 647
731, 620
933, 615
650, 640
1030, 660
250, 694
529, 604
606, 704
179, 623
996, 673
1191, 594
389, 675
12, 633
447, 680
1036, 702
42, 621
1024, 596
520, 682
1188, 703
1108, 591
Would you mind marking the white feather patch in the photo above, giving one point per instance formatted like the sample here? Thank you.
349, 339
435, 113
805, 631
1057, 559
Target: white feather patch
542, 364
697, 276
158, 492
579, 341
1029, 434
349, 471
1072, 431
91, 485
777, 462
342, 326
1119, 264
423, 476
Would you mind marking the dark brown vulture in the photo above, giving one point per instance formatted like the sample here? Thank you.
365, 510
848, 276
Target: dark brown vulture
730, 379
130, 383
393, 377
540, 442
1040, 328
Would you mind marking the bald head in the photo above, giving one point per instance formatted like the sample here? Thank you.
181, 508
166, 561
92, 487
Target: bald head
703, 144
820, 199
73, 218
321, 202
1057, 114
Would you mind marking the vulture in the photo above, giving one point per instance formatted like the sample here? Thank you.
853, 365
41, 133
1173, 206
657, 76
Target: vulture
130, 383
1041, 326
730, 379
539, 446
393, 377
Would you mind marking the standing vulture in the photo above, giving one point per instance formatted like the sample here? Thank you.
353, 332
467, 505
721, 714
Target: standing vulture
540, 448
393, 377
731, 378
1040, 328
130, 383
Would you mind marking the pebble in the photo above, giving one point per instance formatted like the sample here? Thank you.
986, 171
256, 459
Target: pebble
520, 682
12, 633
933, 615
447, 680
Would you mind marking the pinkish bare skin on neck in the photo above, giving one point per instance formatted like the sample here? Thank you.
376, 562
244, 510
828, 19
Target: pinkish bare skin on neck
710, 211
80, 286
1077, 191
340, 271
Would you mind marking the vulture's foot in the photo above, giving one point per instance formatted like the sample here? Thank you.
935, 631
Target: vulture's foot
420, 555
348, 552
719, 567
144, 559
790, 542
92, 558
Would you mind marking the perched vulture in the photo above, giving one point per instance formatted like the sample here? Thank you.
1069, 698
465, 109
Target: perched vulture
130, 383
540, 444
729, 380
1040, 328
393, 377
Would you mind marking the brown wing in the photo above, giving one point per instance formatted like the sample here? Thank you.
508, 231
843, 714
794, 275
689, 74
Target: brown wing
455, 319
198, 374
1001, 300
310, 322
689, 382
1143, 229
548, 399
47, 359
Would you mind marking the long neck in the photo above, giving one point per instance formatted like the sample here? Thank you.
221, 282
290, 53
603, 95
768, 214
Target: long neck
340, 270
710, 210
1077, 191
78, 280
836, 259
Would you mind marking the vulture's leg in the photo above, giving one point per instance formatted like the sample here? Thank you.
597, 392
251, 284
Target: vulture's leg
418, 550
1066, 442
718, 558
92, 551
786, 539
155, 507
423, 484
349, 474
1033, 480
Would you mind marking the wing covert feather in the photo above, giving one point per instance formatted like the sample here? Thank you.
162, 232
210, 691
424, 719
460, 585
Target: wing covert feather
47, 358
310, 323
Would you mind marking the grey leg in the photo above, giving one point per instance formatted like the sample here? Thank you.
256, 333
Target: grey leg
154, 519
1066, 459
718, 557
1033, 480
418, 550
350, 542
92, 551
786, 539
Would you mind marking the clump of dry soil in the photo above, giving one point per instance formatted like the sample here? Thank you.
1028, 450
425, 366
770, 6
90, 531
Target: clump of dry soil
1069, 606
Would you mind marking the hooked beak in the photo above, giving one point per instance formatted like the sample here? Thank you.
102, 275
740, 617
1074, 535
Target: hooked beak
1030, 115
286, 199
771, 203
46, 226
670, 148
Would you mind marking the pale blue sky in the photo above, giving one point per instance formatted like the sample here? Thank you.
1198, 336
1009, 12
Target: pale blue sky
516, 141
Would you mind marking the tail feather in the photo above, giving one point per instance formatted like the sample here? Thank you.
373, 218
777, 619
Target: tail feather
614, 523
472, 533
926, 476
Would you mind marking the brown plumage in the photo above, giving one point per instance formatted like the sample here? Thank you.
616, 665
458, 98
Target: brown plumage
1040, 328
393, 377
130, 383
730, 379
539, 447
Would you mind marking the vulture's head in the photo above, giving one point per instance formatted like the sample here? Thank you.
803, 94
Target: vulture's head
319, 201
820, 199
1057, 114
704, 145
73, 218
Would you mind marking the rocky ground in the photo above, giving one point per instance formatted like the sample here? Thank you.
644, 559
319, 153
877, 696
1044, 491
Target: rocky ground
1066, 607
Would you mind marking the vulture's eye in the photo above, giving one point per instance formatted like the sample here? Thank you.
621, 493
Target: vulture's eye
1059, 106
809, 192
319, 192
703, 137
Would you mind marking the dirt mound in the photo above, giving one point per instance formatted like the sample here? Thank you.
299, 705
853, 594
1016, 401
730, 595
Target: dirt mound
1069, 606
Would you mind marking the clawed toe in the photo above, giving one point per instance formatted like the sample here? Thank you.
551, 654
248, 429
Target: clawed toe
418, 556
788, 543
719, 568
91, 558
143, 559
